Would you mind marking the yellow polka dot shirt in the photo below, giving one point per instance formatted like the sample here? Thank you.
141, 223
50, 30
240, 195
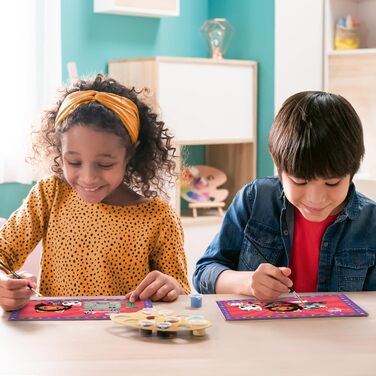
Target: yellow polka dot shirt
93, 249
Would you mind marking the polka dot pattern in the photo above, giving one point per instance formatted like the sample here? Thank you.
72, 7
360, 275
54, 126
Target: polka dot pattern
93, 249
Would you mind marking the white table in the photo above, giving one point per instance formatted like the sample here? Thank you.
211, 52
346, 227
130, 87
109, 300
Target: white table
313, 346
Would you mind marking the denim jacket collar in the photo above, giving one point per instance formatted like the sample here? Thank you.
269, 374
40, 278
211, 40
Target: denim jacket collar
351, 209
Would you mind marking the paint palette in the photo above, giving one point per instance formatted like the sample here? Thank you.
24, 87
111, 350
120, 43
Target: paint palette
163, 322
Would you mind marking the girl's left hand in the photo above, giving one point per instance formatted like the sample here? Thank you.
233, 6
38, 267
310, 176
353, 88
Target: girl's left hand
156, 286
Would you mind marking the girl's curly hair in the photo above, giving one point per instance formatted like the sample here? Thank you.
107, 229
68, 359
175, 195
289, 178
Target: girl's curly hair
152, 161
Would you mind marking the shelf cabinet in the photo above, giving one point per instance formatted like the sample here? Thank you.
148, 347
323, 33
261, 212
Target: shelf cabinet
363, 10
144, 8
354, 77
352, 73
203, 102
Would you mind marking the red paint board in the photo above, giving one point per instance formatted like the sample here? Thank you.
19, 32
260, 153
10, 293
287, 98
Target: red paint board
335, 305
76, 309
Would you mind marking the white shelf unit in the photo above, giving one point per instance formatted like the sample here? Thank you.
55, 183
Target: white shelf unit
145, 8
203, 102
354, 77
363, 10
307, 60
352, 73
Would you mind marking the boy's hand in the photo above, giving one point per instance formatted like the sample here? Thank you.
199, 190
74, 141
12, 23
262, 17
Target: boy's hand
269, 281
15, 293
156, 286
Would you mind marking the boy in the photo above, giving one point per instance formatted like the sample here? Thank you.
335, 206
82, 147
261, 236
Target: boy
308, 228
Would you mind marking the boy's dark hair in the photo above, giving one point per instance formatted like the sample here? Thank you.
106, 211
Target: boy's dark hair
317, 135
151, 162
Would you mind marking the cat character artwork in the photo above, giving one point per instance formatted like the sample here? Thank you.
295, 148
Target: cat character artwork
331, 305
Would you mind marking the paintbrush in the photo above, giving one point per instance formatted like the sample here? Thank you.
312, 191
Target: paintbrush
297, 296
17, 276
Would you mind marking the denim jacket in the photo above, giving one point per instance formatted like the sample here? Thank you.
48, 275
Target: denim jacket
258, 227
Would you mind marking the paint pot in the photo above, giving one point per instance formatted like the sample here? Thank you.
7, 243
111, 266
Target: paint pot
162, 334
146, 333
163, 325
146, 323
199, 332
196, 301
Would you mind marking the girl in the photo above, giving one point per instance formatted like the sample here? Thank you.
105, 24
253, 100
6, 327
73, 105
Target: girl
104, 231
308, 228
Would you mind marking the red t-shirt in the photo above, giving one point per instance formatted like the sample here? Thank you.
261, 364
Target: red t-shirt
305, 253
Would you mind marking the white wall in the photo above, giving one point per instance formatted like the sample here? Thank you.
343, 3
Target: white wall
299, 47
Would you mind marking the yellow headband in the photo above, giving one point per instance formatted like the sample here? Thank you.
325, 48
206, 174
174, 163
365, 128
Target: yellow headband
123, 107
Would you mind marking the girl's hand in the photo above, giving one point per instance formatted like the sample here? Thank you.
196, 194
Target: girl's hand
156, 286
15, 293
269, 281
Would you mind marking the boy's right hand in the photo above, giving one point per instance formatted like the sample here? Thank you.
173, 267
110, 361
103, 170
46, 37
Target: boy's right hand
269, 281
15, 293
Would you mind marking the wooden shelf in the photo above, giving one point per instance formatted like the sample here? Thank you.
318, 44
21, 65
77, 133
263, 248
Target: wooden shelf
358, 51
144, 8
